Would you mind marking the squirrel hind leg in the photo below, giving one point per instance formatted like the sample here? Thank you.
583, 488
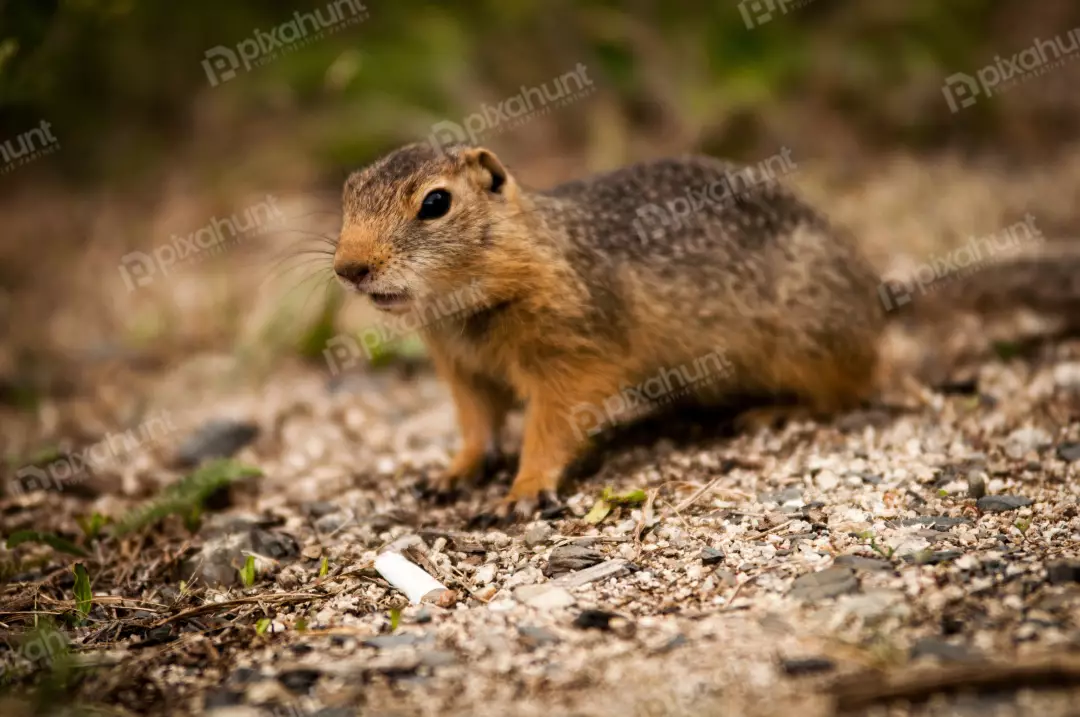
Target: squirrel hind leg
832, 384
820, 394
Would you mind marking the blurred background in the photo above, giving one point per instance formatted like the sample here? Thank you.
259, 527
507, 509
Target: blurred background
130, 125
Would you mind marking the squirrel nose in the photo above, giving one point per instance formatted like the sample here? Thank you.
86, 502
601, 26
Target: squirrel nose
354, 273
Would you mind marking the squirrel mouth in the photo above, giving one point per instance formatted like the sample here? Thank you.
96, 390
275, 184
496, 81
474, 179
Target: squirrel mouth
389, 302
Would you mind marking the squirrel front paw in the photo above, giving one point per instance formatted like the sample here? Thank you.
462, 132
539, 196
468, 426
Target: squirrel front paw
527, 495
469, 467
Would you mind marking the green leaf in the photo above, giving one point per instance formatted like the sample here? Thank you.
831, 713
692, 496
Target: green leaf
262, 625
395, 619
53, 540
186, 495
91, 525
84, 598
1006, 350
193, 519
402, 349
247, 573
301, 624
599, 511
313, 342
324, 567
630, 497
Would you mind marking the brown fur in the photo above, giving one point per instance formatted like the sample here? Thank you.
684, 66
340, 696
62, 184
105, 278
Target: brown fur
581, 303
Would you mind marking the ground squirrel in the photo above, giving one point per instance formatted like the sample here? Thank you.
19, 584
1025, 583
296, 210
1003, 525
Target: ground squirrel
586, 300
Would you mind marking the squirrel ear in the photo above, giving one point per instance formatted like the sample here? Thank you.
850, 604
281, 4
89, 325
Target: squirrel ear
494, 174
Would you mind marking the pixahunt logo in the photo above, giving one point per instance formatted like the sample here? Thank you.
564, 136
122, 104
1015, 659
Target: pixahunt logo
73, 467
345, 351
222, 64
28, 146
655, 220
665, 386
38, 650
969, 258
529, 103
962, 90
759, 12
139, 268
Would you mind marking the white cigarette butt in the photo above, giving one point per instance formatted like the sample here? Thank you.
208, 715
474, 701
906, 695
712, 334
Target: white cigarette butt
406, 577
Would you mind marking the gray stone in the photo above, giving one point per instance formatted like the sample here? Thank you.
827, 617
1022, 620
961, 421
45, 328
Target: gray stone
727, 577
976, 481
783, 497
388, 642
274, 544
331, 522
1069, 452
299, 681
873, 605
218, 562
437, 658
675, 642
538, 534
537, 636
807, 666
858, 562
941, 650
937, 522
711, 556
1067, 375
527, 575
825, 584
1002, 503
1063, 571
1024, 440
319, 508
568, 558
485, 574
544, 597
607, 569
215, 439
928, 557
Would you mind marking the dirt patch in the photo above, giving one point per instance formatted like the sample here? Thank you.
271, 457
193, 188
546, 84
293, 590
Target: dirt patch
762, 572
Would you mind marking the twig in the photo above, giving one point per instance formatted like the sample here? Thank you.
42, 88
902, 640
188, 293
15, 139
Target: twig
214, 607
738, 588
708, 487
647, 518
698, 493
856, 693
762, 534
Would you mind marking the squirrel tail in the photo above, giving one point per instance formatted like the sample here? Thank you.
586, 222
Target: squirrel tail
1045, 282
935, 329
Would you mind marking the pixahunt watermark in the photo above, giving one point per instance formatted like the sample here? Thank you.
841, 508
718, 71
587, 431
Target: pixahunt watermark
970, 257
962, 90
36, 652
656, 220
28, 146
664, 386
758, 12
529, 103
75, 466
139, 268
222, 64
346, 351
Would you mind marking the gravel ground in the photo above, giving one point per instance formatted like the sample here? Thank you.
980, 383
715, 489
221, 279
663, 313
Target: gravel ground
921, 559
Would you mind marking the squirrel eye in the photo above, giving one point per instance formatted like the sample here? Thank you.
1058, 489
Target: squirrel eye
435, 204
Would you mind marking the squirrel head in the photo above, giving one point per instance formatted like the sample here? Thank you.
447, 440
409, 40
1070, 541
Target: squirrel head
418, 223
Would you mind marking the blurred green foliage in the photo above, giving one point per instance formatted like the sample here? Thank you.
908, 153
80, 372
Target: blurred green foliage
119, 79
